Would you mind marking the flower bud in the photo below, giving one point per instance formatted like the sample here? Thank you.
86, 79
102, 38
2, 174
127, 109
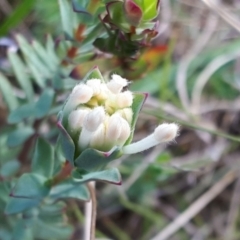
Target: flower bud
104, 93
117, 83
93, 119
98, 120
82, 93
113, 128
166, 132
91, 123
76, 117
126, 113
98, 138
124, 99
94, 84
133, 12
125, 132
163, 133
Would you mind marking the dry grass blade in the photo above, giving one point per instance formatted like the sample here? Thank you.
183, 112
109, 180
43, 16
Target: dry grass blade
206, 74
196, 207
233, 212
197, 47
224, 13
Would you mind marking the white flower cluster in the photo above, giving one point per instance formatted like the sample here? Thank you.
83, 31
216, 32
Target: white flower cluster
102, 113
101, 116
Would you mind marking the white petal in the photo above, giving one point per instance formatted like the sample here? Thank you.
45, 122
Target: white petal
76, 117
166, 132
117, 83
94, 119
124, 99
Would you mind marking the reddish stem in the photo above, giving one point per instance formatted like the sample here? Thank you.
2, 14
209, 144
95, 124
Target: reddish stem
63, 174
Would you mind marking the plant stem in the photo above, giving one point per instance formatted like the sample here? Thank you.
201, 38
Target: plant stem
64, 173
90, 214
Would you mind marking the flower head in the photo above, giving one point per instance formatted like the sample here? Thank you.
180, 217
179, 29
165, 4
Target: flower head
98, 122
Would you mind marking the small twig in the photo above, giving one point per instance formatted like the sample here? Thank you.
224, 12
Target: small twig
196, 207
172, 213
63, 174
90, 213
233, 212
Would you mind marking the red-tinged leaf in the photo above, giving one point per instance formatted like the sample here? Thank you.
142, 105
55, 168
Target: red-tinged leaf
133, 12
79, 32
76, 73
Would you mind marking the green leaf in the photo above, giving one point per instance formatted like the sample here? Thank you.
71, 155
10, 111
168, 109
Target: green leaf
43, 158
32, 56
117, 16
19, 13
4, 194
50, 48
22, 231
46, 231
9, 168
44, 103
19, 136
36, 74
94, 73
59, 158
150, 9
43, 56
58, 81
70, 189
30, 185
48, 210
111, 175
21, 113
5, 234
8, 94
80, 6
93, 160
28, 192
18, 205
34, 109
53, 213
94, 30
138, 101
20, 72
67, 143
67, 15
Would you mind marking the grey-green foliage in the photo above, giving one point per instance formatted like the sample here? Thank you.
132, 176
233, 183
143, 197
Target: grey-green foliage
30, 204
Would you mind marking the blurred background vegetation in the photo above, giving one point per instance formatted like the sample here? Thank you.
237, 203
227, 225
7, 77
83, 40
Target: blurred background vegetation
187, 190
